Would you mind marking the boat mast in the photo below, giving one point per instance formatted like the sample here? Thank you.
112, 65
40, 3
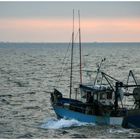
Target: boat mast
98, 70
72, 57
80, 49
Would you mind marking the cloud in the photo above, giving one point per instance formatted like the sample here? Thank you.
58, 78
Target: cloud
59, 30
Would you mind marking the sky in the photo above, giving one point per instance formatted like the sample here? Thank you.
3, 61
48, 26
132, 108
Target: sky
52, 21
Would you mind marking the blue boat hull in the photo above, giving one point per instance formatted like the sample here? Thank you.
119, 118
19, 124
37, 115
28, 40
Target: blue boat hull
132, 121
104, 120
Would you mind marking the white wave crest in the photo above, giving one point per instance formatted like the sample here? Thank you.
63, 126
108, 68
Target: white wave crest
62, 123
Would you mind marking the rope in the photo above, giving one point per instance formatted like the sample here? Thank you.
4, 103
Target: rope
64, 61
63, 64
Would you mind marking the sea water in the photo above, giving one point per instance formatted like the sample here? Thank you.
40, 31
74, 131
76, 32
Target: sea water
30, 71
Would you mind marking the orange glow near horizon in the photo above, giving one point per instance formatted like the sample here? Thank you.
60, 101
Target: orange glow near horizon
59, 30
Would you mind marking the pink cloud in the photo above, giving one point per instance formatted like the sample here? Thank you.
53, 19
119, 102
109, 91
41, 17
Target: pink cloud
53, 30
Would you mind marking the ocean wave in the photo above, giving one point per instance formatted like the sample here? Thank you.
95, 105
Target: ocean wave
63, 123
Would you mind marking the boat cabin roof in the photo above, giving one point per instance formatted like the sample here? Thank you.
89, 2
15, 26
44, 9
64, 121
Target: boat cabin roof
95, 88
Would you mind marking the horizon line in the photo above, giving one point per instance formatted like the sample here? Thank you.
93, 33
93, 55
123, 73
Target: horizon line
69, 42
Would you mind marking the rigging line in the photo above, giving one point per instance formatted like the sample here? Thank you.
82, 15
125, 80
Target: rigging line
71, 72
63, 62
80, 68
76, 36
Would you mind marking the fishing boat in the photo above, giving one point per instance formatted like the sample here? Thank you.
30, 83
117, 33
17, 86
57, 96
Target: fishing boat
103, 103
